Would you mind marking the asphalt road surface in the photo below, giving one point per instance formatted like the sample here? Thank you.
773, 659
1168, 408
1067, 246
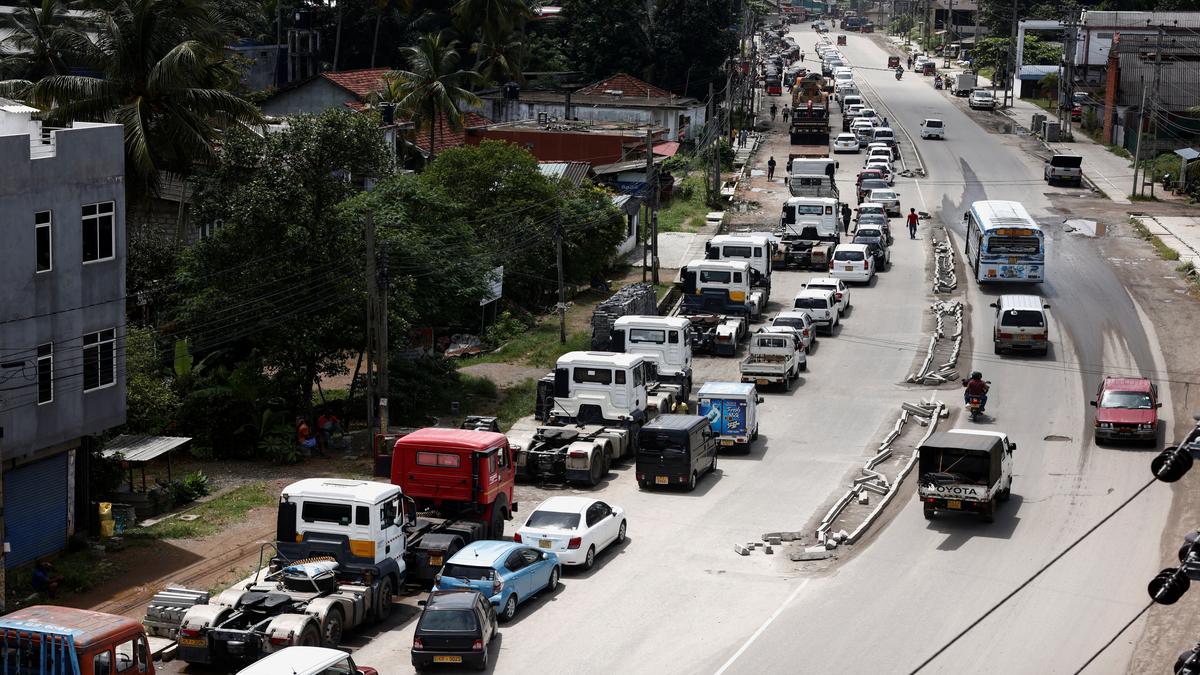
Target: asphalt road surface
676, 599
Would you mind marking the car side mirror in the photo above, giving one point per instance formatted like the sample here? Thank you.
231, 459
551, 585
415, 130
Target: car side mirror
421, 603
1012, 446
992, 304
1009, 451
1045, 306
1092, 403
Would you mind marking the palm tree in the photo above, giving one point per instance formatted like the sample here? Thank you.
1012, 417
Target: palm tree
501, 62
42, 36
494, 18
434, 86
163, 77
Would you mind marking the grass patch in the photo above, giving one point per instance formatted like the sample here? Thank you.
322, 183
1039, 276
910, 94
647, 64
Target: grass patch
516, 402
687, 209
81, 571
1142, 198
1165, 252
215, 514
538, 346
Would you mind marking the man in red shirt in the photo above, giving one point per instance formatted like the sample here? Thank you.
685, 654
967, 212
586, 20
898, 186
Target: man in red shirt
912, 223
976, 387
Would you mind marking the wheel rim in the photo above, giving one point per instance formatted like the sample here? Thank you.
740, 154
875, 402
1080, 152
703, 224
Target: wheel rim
692, 482
591, 556
554, 579
333, 630
385, 599
621, 533
510, 607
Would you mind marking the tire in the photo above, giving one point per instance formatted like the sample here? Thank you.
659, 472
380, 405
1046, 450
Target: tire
644, 484
383, 607
596, 474
929, 512
1005, 493
483, 660
621, 530
590, 560
691, 482
989, 514
754, 436
996, 348
331, 632
310, 637
804, 366
496, 524
510, 608
552, 585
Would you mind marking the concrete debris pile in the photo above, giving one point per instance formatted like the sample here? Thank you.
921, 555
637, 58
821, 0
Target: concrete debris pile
636, 299
944, 279
874, 481
943, 372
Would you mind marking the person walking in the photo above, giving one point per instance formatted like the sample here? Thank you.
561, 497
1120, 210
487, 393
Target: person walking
743, 138
774, 110
910, 63
801, 57
912, 223
771, 169
787, 111
845, 218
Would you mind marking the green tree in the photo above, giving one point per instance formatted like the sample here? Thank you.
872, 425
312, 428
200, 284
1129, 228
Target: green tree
607, 36
494, 20
434, 87
42, 38
283, 276
692, 39
499, 62
151, 401
163, 76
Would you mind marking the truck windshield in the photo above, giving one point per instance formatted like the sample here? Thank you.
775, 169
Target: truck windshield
553, 519
647, 335
448, 620
789, 323
470, 572
323, 512
1136, 400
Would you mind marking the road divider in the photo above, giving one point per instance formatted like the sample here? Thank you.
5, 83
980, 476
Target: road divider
943, 372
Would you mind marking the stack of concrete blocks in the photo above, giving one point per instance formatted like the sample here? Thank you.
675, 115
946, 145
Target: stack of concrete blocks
636, 299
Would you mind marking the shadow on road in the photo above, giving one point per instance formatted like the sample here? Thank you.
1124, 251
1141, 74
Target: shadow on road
962, 527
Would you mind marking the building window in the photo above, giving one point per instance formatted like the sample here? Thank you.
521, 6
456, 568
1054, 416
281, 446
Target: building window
99, 360
209, 229
45, 373
98, 231
45, 241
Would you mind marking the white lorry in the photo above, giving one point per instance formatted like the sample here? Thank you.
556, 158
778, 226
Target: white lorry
348, 543
755, 249
962, 84
966, 471
774, 358
732, 412
594, 404
666, 341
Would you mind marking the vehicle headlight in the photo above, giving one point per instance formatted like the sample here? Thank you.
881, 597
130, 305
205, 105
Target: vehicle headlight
1106, 425
1145, 426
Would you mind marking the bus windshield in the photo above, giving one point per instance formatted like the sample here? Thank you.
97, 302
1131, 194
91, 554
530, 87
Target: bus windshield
1014, 245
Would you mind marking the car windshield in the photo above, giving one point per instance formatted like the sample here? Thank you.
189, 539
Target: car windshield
867, 210
848, 256
983, 94
456, 620
468, 572
872, 183
788, 322
1023, 319
553, 519
845, 137
933, 124
882, 195
870, 233
1137, 400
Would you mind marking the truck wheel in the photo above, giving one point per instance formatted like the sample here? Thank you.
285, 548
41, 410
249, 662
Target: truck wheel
310, 637
383, 604
804, 365
597, 471
496, 525
989, 511
929, 512
332, 632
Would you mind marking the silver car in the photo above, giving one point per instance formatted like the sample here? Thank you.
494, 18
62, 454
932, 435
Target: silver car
889, 199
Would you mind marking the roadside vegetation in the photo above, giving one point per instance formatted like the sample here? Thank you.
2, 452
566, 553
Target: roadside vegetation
211, 516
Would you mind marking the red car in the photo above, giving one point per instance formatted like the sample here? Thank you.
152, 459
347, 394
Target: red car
1126, 409
869, 173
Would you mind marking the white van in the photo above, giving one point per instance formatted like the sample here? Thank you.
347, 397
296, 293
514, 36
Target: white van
1021, 324
820, 305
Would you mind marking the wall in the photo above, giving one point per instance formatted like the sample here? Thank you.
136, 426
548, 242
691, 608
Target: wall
315, 96
84, 165
510, 111
549, 146
261, 63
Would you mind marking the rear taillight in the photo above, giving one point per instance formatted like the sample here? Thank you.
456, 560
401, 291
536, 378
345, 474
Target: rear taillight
838, 296
805, 333
497, 586
477, 646
418, 644
280, 641
517, 537
575, 542
830, 265
1039, 338
578, 453
1006, 336
189, 632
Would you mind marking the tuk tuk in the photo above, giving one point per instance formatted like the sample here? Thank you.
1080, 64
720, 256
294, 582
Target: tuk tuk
893, 62
841, 40
929, 68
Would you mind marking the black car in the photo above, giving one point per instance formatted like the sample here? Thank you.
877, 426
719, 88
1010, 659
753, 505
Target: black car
878, 250
455, 627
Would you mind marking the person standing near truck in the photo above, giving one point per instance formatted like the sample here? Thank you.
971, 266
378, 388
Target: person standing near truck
771, 169
845, 218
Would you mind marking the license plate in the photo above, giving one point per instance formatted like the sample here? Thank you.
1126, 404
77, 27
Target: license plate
761, 381
726, 442
661, 480
1022, 338
954, 505
849, 268
193, 642
435, 560
447, 659
545, 543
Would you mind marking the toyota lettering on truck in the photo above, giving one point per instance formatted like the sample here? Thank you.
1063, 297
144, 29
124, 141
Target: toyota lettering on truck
1004, 243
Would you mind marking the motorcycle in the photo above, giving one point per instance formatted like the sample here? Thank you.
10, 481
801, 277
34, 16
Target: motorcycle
937, 83
899, 74
975, 403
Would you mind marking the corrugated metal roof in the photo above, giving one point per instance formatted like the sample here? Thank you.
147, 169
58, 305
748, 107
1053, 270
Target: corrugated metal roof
141, 448
1188, 154
17, 108
1095, 19
573, 172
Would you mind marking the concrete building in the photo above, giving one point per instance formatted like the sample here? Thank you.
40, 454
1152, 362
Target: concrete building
571, 141
62, 320
620, 98
1170, 79
1097, 30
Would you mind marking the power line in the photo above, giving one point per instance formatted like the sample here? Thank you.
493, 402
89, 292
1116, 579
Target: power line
1114, 637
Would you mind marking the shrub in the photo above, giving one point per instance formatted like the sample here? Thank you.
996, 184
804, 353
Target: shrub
192, 487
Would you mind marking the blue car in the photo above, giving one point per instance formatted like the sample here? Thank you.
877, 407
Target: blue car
507, 573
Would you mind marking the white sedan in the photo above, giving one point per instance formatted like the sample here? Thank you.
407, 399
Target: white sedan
845, 143
574, 528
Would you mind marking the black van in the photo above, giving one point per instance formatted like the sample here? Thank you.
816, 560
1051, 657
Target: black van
675, 450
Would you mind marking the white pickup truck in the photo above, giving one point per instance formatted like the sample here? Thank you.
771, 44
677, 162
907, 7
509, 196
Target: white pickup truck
773, 359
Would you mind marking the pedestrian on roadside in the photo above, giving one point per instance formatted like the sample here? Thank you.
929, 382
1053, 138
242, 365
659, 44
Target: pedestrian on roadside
910, 63
801, 57
885, 122
304, 435
743, 138
912, 223
44, 580
787, 111
845, 218
774, 110
771, 169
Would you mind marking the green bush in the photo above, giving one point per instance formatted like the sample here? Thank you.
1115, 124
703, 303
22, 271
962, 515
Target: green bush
192, 487
506, 328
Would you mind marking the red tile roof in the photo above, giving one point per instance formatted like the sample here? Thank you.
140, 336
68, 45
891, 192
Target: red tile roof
361, 83
445, 137
628, 85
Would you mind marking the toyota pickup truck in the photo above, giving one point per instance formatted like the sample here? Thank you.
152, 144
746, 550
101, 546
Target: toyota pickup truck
773, 359
965, 471
1063, 169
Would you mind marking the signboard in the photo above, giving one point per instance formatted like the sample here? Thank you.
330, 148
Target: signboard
495, 286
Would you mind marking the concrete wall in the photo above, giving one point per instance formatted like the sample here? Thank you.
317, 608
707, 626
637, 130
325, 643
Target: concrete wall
315, 97
259, 72
82, 165
511, 111
550, 146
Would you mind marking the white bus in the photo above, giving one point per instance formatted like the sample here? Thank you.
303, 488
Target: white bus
1004, 243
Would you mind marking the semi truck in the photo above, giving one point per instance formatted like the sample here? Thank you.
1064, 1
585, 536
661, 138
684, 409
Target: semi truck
720, 287
755, 249
810, 116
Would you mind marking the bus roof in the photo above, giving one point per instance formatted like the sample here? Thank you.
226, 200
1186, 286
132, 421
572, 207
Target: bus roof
85, 627
992, 214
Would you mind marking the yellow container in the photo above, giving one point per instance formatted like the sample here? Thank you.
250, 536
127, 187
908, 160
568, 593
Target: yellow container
106, 528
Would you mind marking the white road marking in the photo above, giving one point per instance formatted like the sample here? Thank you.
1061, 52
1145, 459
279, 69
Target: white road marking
762, 628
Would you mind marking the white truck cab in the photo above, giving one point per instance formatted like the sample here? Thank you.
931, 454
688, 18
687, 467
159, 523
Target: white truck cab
666, 341
359, 523
818, 212
605, 386
755, 249
720, 287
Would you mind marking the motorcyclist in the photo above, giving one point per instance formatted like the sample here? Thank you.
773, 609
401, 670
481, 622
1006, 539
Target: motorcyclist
899, 72
976, 388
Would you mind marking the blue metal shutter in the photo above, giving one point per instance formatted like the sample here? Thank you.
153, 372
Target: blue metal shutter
35, 509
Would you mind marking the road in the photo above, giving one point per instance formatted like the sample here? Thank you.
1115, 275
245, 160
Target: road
676, 599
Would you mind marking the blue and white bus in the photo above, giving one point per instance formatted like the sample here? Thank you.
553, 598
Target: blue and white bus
1004, 243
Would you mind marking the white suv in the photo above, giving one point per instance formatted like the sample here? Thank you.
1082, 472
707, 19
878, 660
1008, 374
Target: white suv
932, 128
820, 305
841, 292
799, 323
982, 99
852, 262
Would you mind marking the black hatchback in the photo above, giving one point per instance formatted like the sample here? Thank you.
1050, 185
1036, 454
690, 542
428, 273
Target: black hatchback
455, 627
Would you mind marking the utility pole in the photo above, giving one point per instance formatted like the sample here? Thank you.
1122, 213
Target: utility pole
1137, 148
1010, 96
562, 289
1154, 106
381, 298
949, 28
651, 193
371, 337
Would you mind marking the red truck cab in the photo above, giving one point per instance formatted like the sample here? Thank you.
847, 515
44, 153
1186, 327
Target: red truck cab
65, 641
458, 472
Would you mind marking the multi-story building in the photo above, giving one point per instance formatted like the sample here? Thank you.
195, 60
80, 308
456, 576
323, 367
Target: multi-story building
62, 320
